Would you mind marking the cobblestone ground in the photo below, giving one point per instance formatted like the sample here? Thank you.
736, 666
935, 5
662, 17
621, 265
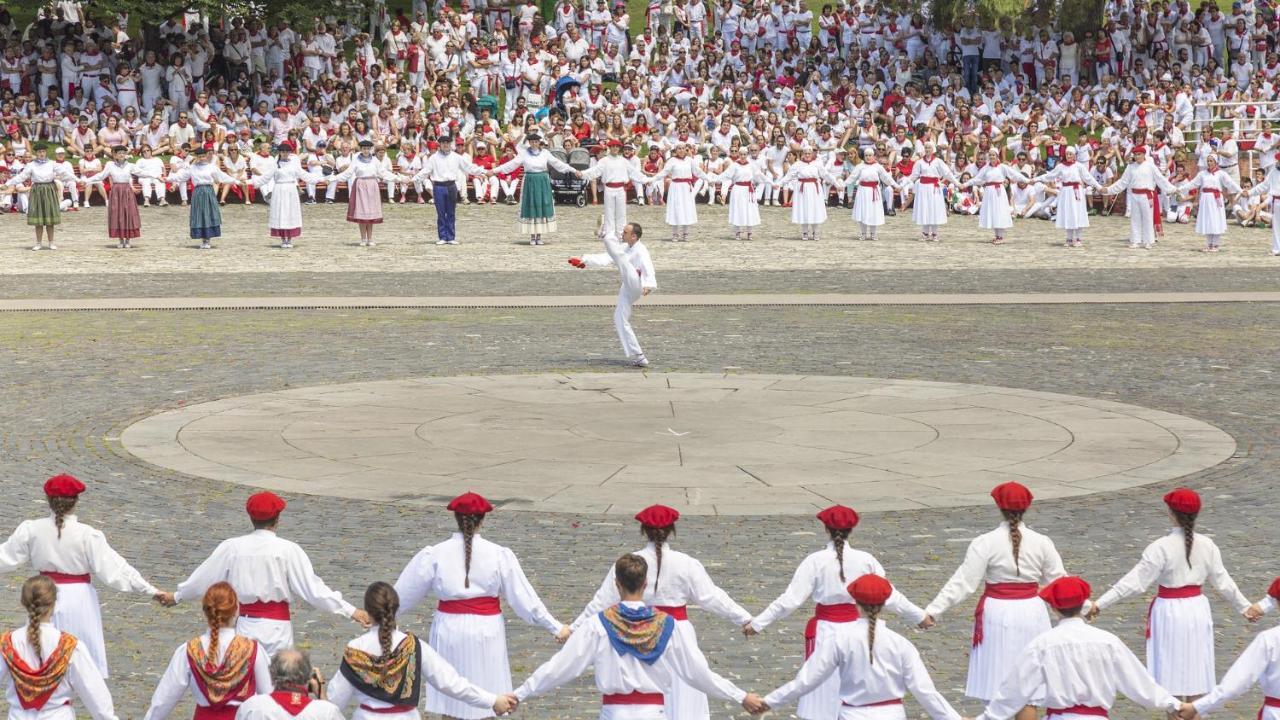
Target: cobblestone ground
75, 380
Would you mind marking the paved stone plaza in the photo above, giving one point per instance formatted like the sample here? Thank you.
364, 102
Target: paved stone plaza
77, 381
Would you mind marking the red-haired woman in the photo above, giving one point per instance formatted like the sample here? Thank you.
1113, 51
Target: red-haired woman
675, 580
73, 555
873, 667
1012, 562
1179, 623
825, 576
220, 668
468, 575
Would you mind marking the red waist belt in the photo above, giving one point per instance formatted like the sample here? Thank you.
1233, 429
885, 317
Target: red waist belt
999, 591
1154, 198
838, 613
615, 186
266, 610
1214, 192
1077, 189
1268, 702
931, 181
683, 180
808, 180
471, 606
222, 712
389, 710
746, 185
1168, 593
679, 612
875, 188
64, 578
995, 184
635, 697
1078, 710
882, 703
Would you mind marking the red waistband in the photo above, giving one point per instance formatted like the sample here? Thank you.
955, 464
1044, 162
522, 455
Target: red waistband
869, 184
882, 703
1071, 185
615, 186
995, 184
1178, 593
1078, 710
840, 613
1150, 192
389, 710
471, 606
683, 180
1011, 591
679, 612
930, 180
635, 697
64, 578
744, 184
808, 180
266, 610
221, 712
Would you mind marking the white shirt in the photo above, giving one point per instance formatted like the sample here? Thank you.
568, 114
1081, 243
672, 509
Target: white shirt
1141, 176
989, 559
201, 173
82, 550
532, 162
177, 680
897, 669
119, 173
614, 169
818, 578
437, 674
684, 581
1259, 664
38, 171
265, 707
1165, 560
362, 167
643, 262
263, 566
495, 572
589, 647
82, 681
442, 168
1077, 664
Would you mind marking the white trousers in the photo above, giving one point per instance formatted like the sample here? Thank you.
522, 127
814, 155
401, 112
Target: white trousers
486, 188
1275, 229
273, 635
615, 210
1142, 230
629, 293
632, 712
151, 188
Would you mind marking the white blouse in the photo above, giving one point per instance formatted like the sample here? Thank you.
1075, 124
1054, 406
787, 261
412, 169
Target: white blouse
201, 173
41, 171
533, 162
362, 167
989, 559
82, 550
119, 173
1165, 561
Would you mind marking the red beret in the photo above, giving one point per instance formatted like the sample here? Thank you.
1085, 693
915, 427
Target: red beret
1274, 590
614, 143
658, 516
263, 505
469, 503
1140, 149
1183, 500
1012, 496
870, 590
63, 486
839, 517
281, 108
1066, 592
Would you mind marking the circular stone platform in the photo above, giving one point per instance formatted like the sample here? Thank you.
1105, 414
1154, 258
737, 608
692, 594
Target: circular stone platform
704, 443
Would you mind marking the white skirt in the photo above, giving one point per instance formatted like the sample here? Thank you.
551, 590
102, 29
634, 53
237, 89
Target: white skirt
285, 212
685, 702
868, 208
476, 646
681, 209
882, 712
1008, 626
930, 206
633, 712
823, 702
743, 211
1073, 209
808, 204
77, 612
272, 635
1212, 217
994, 214
1180, 649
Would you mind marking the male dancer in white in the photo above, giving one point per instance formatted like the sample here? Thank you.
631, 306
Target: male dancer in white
615, 172
638, 280
637, 655
1258, 665
1144, 181
1271, 187
265, 570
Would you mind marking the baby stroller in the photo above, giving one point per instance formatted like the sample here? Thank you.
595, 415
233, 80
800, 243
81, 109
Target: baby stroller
567, 187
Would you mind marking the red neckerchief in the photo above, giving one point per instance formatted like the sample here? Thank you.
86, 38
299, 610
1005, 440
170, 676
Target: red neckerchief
292, 702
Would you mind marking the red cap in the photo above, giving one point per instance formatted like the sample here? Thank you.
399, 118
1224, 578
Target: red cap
1274, 590
281, 108
1183, 500
469, 503
1140, 149
630, 106
263, 505
288, 145
870, 589
1012, 496
63, 486
839, 517
433, 145
614, 143
1066, 592
658, 516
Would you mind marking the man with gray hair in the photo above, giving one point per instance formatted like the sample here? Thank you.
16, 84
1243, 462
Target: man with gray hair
298, 695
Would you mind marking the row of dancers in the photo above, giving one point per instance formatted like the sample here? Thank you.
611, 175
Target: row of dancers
635, 631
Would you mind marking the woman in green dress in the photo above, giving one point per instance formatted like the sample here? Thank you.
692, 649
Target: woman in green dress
44, 211
537, 206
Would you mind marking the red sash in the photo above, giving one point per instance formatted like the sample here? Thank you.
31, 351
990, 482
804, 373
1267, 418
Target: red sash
635, 697
747, 185
292, 702
931, 181
64, 578
1077, 189
1154, 198
222, 712
838, 613
995, 184
1168, 593
1078, 710
471, 606
802, 181
1214, 192
1268, 702
266, 610
882, 703
678, 612
875, 189
999, 591
615, 186
682, 180
389, 710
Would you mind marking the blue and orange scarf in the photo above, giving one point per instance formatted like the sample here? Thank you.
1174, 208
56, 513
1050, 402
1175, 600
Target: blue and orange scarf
640, 632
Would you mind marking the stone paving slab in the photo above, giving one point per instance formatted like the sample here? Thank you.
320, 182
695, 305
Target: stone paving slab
552, 442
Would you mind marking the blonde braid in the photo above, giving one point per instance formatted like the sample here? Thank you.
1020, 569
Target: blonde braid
872, 612
39, 594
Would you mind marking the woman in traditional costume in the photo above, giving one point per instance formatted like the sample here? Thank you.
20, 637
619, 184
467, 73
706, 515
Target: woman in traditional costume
44, 205
537, 205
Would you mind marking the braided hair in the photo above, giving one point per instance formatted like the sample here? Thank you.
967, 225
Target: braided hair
61, 507
1187, 521
658, 536
383, 603
39, 594
871, 613
838, 540
1014, 518
220, 605
468, 524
